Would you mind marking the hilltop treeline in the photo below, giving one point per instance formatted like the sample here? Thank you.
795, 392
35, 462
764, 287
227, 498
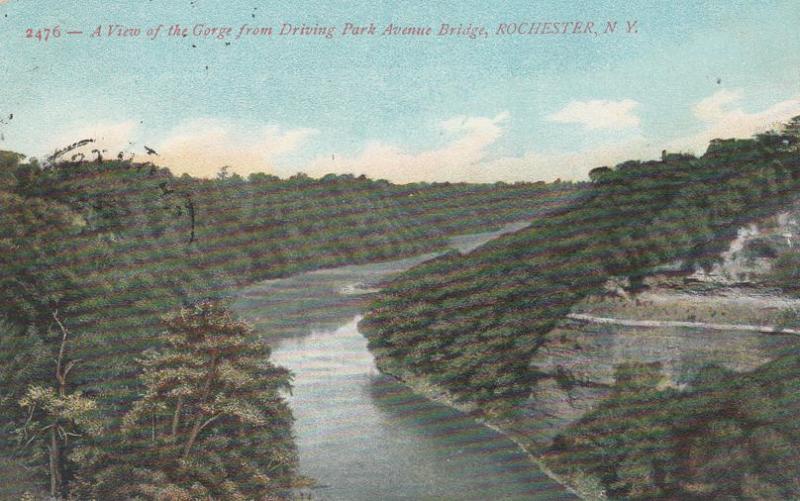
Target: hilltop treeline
111, 276
264, 227
471, 323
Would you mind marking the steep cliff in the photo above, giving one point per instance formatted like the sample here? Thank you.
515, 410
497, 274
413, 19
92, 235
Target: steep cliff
680, 323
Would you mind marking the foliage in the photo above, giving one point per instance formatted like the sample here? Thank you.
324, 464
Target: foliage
55, 415
112, 246
726, 437
211, 423
471, 323
785, 271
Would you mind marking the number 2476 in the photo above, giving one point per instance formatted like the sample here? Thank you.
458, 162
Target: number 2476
43, 34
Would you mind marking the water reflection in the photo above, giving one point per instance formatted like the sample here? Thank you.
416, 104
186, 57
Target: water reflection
362, 435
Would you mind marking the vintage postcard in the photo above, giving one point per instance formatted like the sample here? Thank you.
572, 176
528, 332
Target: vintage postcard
447, 250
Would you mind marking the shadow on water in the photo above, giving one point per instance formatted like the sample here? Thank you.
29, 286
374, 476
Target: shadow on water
477, 462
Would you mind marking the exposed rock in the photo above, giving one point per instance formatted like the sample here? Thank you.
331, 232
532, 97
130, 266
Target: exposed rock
579, 359
750, 255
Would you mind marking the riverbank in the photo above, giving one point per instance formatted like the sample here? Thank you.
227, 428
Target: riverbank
441, 396
363, 435
740, 330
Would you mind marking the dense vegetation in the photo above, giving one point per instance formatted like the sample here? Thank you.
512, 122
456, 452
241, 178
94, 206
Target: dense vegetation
471, 323
275, 227
729, 436
211, 423
97, 257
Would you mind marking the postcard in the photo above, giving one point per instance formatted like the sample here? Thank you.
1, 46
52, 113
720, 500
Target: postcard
453, 250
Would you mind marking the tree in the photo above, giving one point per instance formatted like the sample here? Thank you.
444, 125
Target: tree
792, 127
36, 274
211, 422
47, 269
596, 175
54, 415
9, 162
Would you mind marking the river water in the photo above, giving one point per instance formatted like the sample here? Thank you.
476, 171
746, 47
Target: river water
361, 435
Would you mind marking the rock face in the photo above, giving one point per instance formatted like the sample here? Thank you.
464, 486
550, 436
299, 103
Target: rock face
578, 360
750, 255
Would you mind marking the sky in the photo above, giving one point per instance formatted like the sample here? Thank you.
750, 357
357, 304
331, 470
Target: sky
403, 108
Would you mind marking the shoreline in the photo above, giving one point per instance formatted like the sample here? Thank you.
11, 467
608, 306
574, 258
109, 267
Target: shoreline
438, 395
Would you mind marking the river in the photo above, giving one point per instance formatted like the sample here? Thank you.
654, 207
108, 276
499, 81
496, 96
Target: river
362, 435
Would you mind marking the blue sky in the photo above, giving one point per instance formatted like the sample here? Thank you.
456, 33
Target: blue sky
401, 108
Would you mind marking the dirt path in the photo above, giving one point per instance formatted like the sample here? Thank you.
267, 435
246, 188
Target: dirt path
730, 296
764, 329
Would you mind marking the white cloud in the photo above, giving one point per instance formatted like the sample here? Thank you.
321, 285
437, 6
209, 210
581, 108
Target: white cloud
459, 158
599, 114
712, 108
201, 147
723, 117
466, 157
565, 165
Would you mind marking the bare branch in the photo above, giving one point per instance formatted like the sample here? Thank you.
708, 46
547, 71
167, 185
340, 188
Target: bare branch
31, 439
176, 418
208, 422
70, 366
30, 416
61, 349
68, 434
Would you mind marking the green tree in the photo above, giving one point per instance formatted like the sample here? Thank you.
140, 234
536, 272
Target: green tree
792, 128
9, 162
212, 422
55, 415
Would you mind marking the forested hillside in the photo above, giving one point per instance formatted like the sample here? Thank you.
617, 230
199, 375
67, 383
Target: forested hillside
122, 371
471, 323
